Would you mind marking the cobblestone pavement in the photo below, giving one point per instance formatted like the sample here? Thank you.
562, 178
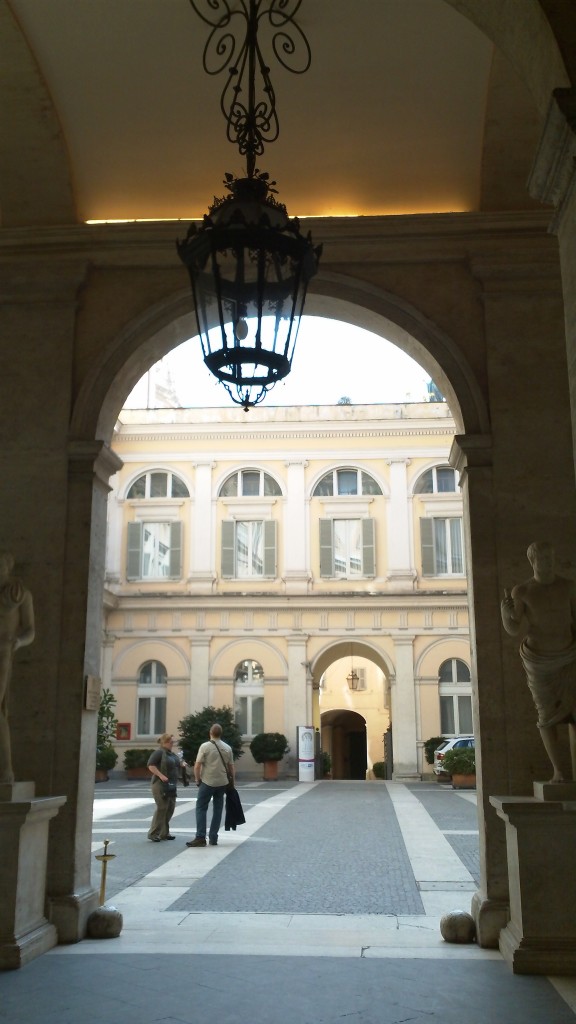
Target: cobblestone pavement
336, 850
456, 817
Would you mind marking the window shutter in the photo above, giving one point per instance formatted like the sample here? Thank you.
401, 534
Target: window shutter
175, 551
270, 547
326, 548
368, 548
134, 552
228, 539
427, 545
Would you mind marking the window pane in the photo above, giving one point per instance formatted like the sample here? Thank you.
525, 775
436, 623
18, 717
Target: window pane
445, 479
440, 553
161, 676
447, 715
241, 714
250, 484
156, 550
446, 673
159, 715
462, 671
369, 485
158, 485
347, 481
179, 489
257, 715
270, 486
465, 714
242, 538
426, 483
257, 560
347, 547
325, 487
242, 672
257, 672
145, 677
456, 545
144, 704
340, 547
229, 488
138, 489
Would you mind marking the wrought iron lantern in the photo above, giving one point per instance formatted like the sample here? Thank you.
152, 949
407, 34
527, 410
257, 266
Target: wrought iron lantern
353, 679
249, 263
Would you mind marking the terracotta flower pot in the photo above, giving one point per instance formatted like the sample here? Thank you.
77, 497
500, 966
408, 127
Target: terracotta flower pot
270, 771
463, 782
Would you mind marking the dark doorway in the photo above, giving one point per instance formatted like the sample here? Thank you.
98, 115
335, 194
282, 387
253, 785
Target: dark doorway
344, 737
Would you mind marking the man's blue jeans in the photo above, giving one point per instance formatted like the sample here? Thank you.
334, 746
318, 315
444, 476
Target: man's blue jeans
205, 795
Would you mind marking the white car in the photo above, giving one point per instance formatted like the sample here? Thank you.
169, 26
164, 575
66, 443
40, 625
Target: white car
439, 753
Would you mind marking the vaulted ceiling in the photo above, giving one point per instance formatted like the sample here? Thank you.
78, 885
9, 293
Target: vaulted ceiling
407, 107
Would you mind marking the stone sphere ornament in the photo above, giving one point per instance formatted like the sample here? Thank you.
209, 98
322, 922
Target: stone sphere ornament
105, 923
458, 926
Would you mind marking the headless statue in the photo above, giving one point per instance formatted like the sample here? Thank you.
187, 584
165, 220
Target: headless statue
16, 630
543, 608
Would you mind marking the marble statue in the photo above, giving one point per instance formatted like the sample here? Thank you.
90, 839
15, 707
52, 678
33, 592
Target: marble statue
16, 630
543, 609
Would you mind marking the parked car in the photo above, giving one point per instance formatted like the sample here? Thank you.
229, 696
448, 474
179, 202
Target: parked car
452, 744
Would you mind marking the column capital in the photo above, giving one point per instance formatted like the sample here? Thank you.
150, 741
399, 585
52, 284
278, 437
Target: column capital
471, 451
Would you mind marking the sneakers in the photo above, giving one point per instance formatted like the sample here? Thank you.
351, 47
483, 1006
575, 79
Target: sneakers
197, 842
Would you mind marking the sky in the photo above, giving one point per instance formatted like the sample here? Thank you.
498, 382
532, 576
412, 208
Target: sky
332, 359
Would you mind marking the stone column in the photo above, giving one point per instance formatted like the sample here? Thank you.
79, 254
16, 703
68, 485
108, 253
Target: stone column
299, 707
201, 572
553, 181
403, 711
199, 673
401, 571
296, 547
70, 895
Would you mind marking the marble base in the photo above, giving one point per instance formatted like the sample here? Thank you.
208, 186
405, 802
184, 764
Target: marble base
24, 822
555, 791
540, 937
490, 917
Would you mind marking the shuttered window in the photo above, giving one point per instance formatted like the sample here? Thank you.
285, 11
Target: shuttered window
441, 547
347, 547
248, 549
154, 551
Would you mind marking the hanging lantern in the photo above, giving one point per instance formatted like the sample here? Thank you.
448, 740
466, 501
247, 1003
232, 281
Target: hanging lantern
248, 262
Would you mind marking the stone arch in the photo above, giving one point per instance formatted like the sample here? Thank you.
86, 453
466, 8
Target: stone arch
169, 323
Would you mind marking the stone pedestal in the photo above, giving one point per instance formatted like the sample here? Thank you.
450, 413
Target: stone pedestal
540, 937
24, 821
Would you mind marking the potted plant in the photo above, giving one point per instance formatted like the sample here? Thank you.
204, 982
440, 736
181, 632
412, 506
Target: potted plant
136, 761
326, 765
267, 748
106, 756
460, 763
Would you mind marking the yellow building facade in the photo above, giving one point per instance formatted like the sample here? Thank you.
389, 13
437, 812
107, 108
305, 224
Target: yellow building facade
304, 566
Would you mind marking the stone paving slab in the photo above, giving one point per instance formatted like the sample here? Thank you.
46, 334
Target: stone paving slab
176, 989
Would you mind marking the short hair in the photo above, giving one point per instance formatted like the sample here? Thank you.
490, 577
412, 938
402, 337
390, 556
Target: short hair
216, 729
163, 738
538, 545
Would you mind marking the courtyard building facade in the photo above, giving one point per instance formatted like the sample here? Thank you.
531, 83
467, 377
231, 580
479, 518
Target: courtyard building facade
305, 567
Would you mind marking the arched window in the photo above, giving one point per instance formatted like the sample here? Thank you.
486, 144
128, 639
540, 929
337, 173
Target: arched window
152, 682
455, 698
250, 483
438, 480
249, 697
344, 482
158, 485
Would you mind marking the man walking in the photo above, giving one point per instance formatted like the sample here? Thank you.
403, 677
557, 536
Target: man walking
213, 769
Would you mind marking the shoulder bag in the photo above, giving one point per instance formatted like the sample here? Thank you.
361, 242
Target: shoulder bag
226, 766
168, 788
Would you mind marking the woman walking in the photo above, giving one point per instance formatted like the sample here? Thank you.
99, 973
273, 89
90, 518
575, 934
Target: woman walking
164, 766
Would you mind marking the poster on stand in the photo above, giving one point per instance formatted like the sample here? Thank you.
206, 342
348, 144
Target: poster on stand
306, 753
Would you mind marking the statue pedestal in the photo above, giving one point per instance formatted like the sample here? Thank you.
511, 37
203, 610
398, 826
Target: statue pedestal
540, 937
24, 821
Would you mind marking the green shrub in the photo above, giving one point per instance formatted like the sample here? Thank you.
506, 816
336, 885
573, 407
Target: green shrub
195, 729
269, 746
460, 761
136, 757
106, 758
430, 746
326, 762
379, 769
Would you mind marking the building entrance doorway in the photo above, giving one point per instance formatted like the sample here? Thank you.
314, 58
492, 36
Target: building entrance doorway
344, 737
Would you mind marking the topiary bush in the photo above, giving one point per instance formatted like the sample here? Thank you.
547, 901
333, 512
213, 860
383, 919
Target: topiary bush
195, 729
269, 746
379, 769
430, 746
